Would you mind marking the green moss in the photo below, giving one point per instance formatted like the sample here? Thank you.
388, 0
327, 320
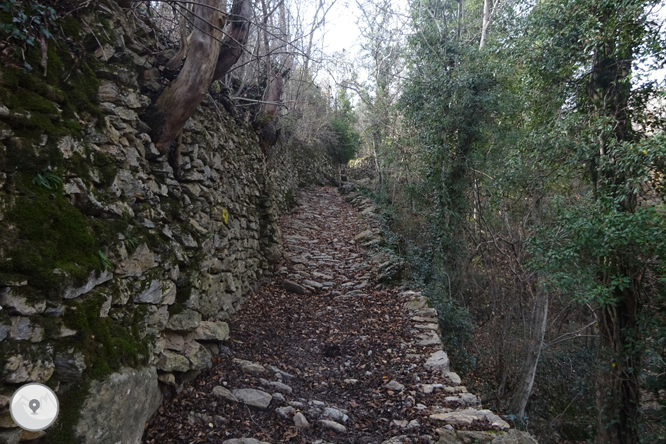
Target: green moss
176, 308
69, 413
70, 82
108, 167
106, 345
71, 27
171, 206
52, 235
22, 158
84, 86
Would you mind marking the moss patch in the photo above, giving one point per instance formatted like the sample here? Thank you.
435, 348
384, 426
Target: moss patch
63, 431
54, 104
106, 345
53, 241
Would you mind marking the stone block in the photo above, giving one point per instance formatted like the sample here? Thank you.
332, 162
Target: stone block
253, 398
187, 320
117, 408
211, 331
19, 305
172, 362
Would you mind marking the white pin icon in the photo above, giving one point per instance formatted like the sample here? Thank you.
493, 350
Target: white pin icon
34, 407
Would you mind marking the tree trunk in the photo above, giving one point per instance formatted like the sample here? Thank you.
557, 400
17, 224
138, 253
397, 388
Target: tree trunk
537, 333
534, 347
235, 37
619, 355
486, 23
266, 123
617, 379
460, 20
178, 101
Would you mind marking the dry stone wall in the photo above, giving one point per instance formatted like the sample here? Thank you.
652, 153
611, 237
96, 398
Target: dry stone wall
116, 276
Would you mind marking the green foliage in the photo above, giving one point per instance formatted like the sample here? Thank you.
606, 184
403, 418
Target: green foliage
26, 20
535, 165
455, 323
48, 180
106, 263
347, 140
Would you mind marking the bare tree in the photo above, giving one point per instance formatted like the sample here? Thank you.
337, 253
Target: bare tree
208, 58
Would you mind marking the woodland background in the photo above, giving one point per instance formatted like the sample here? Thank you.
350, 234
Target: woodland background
516, 146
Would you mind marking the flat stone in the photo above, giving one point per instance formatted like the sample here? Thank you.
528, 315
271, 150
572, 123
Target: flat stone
423, 319
167, 378
293, 287
16, 304
453, 377
417, 303
197, 354
27, 435
23, 329
438, 361
157, 292
279, 386
300, 421
395, 385
142, 260
224, 393
252, 397
285, 412
69, 365
117, 408
427, 326
427, 312
19, 369
250, 367
465, 418
429, 338
211, 331
335, 414
93, 281
282, 373
244, 441
363, 235
187, 320
312, 283
402, 439
173, 341
332, 425
514, 436
427, 388
172, 362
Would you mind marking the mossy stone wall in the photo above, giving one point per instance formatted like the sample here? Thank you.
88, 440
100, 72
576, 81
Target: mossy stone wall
113, 272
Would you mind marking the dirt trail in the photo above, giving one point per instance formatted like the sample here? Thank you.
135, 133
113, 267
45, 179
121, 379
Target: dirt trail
328, 359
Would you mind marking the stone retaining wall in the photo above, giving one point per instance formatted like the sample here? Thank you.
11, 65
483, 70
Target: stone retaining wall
114, 274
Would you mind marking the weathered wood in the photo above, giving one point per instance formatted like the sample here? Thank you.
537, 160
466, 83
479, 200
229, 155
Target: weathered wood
266, 123
177, 103
235, 38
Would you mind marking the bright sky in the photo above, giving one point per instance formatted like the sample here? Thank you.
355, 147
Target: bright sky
341, 29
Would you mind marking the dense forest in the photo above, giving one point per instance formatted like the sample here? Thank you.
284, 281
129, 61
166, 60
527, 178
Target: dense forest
517, 149
519, 152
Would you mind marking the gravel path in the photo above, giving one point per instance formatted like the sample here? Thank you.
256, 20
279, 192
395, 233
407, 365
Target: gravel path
319, 355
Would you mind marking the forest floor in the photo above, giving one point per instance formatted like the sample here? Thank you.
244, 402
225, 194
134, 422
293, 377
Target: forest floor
331, 360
